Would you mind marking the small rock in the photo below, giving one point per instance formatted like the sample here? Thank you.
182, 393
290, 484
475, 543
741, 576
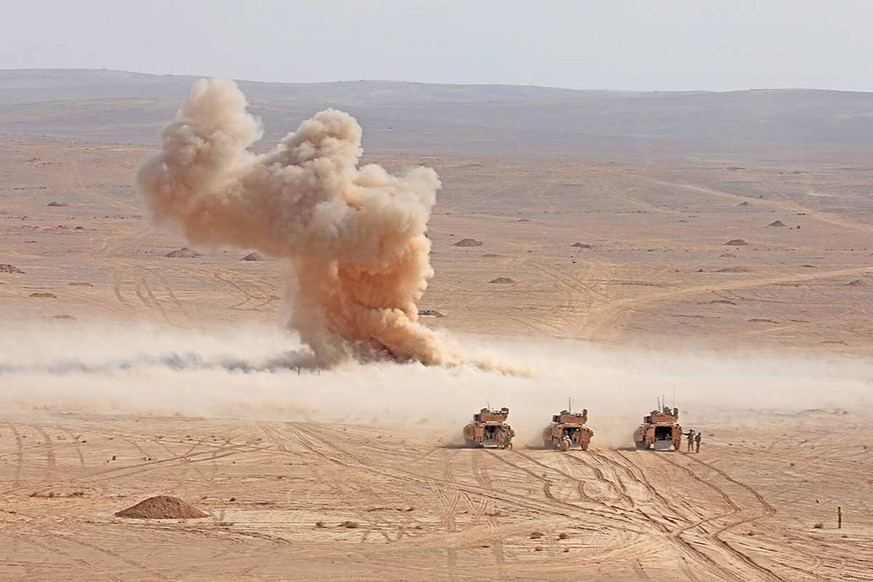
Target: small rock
429, 313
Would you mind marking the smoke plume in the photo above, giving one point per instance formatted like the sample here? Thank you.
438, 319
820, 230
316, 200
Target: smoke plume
353, 235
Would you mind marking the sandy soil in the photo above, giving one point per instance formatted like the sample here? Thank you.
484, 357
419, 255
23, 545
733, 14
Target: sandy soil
305, 501
658, 274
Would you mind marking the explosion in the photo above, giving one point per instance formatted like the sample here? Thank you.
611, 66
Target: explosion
353, 235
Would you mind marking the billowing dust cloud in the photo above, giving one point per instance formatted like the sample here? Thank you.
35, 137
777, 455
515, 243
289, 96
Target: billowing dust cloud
353, 235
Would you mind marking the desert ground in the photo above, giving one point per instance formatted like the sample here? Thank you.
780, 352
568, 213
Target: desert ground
737, 286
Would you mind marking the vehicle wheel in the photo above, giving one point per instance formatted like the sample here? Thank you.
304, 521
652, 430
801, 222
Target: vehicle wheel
565, 445
584, 446
470, 444
548, 444
641, 445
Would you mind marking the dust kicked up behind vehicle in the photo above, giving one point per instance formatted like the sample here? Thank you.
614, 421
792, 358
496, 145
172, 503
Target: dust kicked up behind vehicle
568, 430
489, 428
660, 430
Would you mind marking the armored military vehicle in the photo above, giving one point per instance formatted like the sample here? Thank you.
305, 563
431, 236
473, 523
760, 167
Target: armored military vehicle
489, 428
659, 430
568, 430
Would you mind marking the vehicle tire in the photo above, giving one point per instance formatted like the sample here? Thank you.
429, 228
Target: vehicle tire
565, 445
641, 445
471, 444
584, 446
548, 444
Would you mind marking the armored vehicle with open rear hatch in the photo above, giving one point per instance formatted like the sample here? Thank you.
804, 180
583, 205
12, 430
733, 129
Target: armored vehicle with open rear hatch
489, 428
660, 430
568, 430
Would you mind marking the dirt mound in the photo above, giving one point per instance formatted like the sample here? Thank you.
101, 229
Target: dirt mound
763, 320
44, 295
162, 507
63, 317
468, 242
856, 283
579, 245
7, 268
776, 223
502, 281
57, 204
80, 284
722, 302
728, 256
734, 270
183, 253
822, 412
744, 204
490, 256
736, 242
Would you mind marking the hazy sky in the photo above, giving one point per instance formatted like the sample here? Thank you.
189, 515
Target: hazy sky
609, 44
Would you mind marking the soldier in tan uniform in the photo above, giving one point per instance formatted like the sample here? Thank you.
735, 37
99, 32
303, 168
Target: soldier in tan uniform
690, 435
504, 438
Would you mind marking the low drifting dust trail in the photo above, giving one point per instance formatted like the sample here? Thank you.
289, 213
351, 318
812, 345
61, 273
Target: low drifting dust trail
353, 235
259, 373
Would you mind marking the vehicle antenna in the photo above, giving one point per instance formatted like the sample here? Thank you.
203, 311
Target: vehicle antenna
569, 404
488, 404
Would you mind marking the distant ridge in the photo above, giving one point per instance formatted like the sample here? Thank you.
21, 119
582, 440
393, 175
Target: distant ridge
18, 86
439, 119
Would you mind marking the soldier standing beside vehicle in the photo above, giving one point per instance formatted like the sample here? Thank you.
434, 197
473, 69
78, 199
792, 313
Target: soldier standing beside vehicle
697, 442
504, 438
690, 435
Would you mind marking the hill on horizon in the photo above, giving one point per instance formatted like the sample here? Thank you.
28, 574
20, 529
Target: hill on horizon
439, 119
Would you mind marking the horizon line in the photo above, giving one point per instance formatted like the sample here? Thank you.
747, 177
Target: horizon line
523, 86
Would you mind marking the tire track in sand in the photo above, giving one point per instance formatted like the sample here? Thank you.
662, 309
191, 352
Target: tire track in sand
51, 462
735, 509
484, 479
19, 455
